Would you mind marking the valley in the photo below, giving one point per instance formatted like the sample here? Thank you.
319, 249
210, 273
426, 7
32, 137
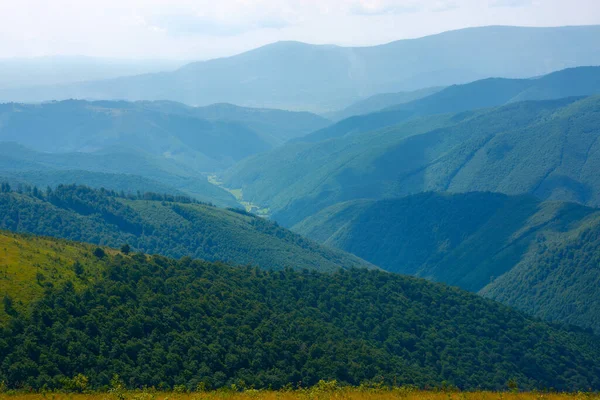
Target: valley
239, 196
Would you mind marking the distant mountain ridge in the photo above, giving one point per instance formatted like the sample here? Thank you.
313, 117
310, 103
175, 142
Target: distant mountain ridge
298, 76
169, 143
115, 169
379, 102
204, 138
492, 92
53, 70
273, 125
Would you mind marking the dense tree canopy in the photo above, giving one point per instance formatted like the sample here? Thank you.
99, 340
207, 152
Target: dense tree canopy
170, 225
159, 322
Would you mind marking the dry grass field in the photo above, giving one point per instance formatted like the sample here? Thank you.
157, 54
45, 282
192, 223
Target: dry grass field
310, 394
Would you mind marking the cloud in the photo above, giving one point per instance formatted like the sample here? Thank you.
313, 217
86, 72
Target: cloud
366, 7
511, 3
183, 25
187, 29
234, 17
444, 5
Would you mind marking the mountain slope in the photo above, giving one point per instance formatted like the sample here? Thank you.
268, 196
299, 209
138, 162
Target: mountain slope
559, 281
582, 81
79, 126
545, 148
52, 70
464, 240
293, 75
381, 101
168, 225
275, 126
160, 322
115, 169
540, 257
118, 182
272, 125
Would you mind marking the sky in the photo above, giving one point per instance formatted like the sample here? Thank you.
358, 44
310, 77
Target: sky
204, 29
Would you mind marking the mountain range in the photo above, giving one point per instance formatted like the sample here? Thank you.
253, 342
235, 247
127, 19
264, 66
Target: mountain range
167, 145
380, 102
204, 138
546, 148
54, 70
323, 78
492, 92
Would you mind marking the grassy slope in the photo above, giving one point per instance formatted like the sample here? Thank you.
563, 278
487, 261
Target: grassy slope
28, 264
545, 148
172, 229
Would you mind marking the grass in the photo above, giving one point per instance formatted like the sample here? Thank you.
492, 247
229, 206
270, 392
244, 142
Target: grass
250, 207
29, 263
340, 394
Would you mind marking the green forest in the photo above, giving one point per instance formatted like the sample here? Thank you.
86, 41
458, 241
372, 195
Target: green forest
161, 322
544, 148
540, 257
558, 281
171, 225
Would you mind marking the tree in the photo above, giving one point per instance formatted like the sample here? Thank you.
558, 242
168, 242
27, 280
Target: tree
99, 252
78, 268
125, 249
8, 306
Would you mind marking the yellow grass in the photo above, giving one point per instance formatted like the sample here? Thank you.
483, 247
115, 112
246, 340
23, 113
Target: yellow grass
27, 262
343, 394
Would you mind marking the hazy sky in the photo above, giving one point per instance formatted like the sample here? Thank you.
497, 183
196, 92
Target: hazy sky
201, 29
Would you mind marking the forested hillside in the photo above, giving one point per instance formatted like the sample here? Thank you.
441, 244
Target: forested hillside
204, 139
492, 92
545, 148
168, 225
381, 101
463, 240
275, 126
559, 281
115, 169
160, 322
97, 180
540, 257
